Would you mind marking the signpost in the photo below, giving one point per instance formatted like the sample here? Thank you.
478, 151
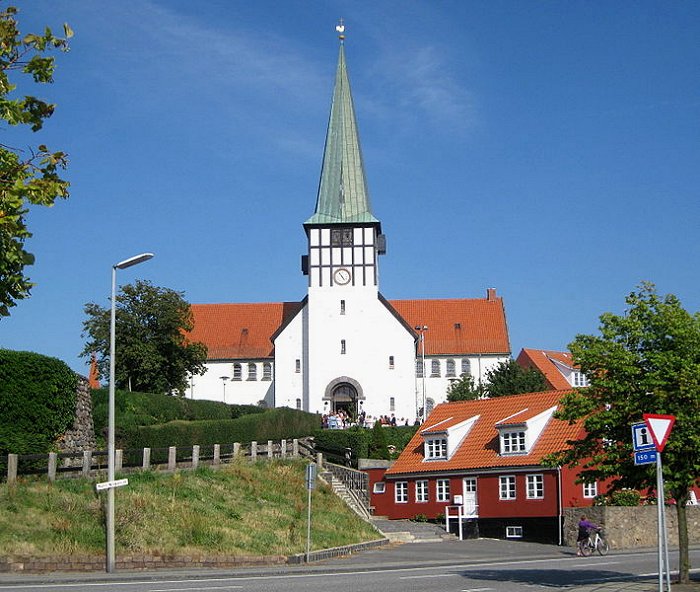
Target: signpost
111, 484
648, 440
310, 484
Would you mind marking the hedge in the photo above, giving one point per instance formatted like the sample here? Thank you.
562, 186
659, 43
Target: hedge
361, 442
37, 402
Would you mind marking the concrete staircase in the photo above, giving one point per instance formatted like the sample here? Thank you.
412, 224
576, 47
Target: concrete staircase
343, 493
408, 531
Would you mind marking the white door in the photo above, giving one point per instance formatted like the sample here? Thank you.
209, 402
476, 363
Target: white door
471, 508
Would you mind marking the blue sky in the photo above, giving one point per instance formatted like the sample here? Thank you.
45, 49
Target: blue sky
548, 149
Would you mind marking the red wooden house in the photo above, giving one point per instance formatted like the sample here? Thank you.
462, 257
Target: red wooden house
484, 459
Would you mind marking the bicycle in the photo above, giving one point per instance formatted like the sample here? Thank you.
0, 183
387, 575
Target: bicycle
594, 542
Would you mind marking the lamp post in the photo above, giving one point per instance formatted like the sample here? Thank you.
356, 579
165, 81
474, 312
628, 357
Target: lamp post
223, 380
422, 329
110, 429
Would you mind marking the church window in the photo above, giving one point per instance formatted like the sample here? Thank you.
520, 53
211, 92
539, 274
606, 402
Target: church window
466, 367
342, 307
252, 371
297, 366
298, 403
391, 362
435, 368
237, 371
392, 404
267, 371
342, 346
450, 368
341, 237
420, 370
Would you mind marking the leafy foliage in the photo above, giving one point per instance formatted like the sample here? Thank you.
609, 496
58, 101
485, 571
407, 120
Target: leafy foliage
37, 402
645, 361
153, 353
510, 378
507, 378
25, 179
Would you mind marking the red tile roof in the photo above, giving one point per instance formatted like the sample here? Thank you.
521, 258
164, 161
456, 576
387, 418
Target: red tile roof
542, 360
480, 449
235, 331
455, 326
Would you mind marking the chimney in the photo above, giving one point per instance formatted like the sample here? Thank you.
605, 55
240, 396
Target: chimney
491, 294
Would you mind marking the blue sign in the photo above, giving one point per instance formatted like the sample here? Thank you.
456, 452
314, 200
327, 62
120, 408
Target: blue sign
645, 457
641, 438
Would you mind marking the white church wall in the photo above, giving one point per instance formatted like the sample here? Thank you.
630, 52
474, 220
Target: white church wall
289, 364
246, 388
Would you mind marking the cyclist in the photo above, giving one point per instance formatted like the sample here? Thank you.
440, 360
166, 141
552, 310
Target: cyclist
585, 527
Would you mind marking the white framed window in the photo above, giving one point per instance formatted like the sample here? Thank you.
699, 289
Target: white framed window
252, 371
435, 368
343, 349
298, 403
535, 486
436, 448
392, 404
401, 492
466, 366
590, 490
514, 532
297, 365
580, 379
267, 371
391, 362
443, 490
470, 484
421, 491
512, 442
450, 368
379, 487
342, 307
237, 371
420, 369
506, 487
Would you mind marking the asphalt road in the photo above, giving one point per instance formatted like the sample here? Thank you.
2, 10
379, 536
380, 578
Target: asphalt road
454, 566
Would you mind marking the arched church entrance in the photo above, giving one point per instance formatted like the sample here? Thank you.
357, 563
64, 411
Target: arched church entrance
344, 394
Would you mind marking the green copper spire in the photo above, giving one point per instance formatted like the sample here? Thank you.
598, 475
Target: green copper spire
342, 192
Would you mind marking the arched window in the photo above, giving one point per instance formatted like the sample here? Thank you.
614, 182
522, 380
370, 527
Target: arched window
267, 371
237, 371
466, 366
435, 368
450, 370
392, 404
252, 371
298, 403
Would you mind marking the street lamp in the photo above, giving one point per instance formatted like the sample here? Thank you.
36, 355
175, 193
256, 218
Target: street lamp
422, 329
110, 428
223, 380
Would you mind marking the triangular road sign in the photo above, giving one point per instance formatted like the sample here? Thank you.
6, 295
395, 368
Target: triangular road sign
660, 428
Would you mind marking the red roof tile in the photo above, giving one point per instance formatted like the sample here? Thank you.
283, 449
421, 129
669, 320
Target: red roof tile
455, 326
480, 449
234, 331
542, 360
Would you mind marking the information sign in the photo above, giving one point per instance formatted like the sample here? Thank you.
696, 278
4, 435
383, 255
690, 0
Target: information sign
641, 437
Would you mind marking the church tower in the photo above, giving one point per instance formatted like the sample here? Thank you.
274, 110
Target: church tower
354, 344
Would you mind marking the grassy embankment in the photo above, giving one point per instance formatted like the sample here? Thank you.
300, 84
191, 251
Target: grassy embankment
242, 509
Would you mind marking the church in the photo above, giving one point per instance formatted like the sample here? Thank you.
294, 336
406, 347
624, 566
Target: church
345, 346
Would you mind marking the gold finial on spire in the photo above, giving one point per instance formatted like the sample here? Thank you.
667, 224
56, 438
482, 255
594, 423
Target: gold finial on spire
340, 27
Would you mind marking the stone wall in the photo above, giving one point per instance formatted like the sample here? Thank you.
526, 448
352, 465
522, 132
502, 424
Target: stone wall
631, 527
82, 435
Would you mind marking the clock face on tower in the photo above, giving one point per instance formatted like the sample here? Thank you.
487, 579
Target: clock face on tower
342, 276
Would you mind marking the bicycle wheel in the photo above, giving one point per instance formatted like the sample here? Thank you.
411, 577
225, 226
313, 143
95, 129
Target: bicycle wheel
586, 547
602, 546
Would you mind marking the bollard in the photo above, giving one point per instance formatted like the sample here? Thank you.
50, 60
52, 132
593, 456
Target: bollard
236, 450
146, 459
295, 448
172, 458
53, 457
195, 456
87, 462
253, 450
118, 460
11, 468
319, 460
283, 448
269, 449
217, 454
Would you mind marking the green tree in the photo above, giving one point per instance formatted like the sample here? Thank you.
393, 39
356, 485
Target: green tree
465, 389
510, 378
644, 361
153, 353
26, 177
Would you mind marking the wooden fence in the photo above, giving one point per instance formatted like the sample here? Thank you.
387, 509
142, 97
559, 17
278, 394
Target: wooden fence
90, 463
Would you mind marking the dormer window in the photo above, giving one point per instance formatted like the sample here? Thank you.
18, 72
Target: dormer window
513, 442
435, 448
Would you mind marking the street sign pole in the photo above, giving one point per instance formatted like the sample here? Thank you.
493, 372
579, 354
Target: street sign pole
310, 485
